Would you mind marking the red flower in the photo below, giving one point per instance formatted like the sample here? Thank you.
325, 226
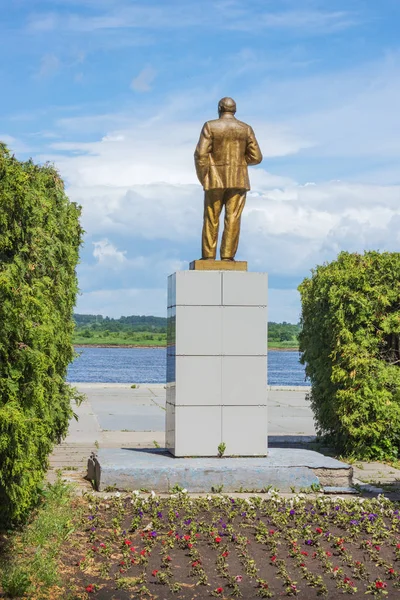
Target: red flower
271, 532
219, 590
90, 589
377, 548
318, 530
304, 553
398, 546
195, 563
328, 553
218, 540
273, 558
168, 558
186, 537
380, 585
391, 571
133, 549
143, 552
127, 543
302, 564
225, 554
133, 561
154, 573
122, 563
170, 532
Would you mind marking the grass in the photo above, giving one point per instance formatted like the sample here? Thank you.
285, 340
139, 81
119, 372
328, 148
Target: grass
29, 558
150, 340
122, 339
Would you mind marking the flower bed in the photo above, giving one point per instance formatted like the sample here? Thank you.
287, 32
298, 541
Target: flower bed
180, 547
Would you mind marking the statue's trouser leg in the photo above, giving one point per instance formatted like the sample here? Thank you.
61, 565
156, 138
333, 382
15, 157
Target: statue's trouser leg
213, 203
234, 200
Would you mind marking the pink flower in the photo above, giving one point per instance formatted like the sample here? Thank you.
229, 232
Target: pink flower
238, 578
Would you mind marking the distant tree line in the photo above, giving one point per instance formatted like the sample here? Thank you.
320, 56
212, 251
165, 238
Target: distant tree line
98, 323
283, 332
88, 325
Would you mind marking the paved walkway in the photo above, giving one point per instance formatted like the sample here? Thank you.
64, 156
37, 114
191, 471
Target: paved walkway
117, 416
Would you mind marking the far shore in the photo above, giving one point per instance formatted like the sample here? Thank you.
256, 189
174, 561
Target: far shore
294, 349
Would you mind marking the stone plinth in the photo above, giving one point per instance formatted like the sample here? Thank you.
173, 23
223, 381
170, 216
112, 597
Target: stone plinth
218, 265
217, 363
155, 469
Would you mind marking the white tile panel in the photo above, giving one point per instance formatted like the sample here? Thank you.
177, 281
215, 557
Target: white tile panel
197, 430
170, 427
170, 395
198, 380
198, 330
244, 289
198, 288
244, 380
171, 290
244, 430
244, 330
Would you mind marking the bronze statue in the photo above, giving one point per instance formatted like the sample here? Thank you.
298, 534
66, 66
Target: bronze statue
226, 147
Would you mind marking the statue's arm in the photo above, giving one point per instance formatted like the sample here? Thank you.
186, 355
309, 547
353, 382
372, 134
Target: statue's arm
202, 153
253, 152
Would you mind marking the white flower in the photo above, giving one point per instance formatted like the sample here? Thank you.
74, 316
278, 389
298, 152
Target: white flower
136, 493
184, 491
117, 494
153, 494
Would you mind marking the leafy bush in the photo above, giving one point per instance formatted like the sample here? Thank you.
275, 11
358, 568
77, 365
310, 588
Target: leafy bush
40, 237
350, 344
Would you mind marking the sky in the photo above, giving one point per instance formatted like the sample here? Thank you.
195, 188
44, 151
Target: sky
115, 92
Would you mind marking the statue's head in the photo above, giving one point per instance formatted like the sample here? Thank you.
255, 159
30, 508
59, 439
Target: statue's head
226, 105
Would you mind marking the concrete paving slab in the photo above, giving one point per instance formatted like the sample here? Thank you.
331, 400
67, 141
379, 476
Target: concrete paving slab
157, 470
131, 439
142, 418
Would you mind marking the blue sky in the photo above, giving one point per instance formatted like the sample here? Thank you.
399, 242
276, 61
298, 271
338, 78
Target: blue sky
115, 92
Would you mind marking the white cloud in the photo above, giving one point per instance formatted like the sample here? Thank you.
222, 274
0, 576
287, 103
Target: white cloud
124, 301
107, 254
142, 82
49, 65
208, 14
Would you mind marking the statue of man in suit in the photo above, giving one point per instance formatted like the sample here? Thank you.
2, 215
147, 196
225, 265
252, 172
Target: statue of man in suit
226, 147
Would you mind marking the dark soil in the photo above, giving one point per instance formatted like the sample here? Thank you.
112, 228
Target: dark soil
186, 548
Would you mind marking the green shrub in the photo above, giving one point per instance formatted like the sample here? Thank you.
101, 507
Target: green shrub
40, 237
350, 344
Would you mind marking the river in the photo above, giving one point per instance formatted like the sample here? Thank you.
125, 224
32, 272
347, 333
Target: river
148, 365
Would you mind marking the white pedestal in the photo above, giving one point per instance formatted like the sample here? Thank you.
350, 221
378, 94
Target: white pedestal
217, 363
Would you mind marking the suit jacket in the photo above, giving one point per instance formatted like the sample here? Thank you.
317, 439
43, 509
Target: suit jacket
226, 147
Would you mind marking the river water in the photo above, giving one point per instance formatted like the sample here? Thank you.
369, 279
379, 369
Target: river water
148, 365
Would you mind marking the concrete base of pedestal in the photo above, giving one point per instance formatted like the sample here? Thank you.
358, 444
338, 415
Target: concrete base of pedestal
157, 470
